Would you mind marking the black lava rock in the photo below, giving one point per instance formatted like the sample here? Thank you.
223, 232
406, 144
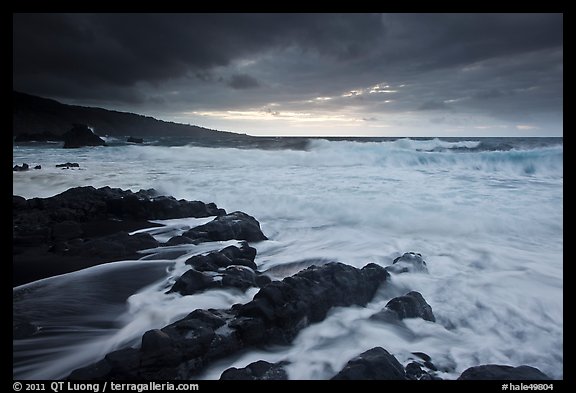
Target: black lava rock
257, 371
222, 269
408, 262
503, 373
21, 168
194, 281
236, 225
411, 305
116, 246
374, 364
68, 165
231, 255
86, 204
74, 225
81, 135
415, 372
276, 315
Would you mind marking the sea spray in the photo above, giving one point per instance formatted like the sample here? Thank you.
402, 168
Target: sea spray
486, 214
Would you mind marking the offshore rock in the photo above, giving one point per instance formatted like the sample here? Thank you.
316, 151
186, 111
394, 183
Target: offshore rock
81, 135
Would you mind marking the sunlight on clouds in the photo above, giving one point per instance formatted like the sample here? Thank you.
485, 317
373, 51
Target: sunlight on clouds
381, 88
489, 127
318, 99
289, 116
377, 88
351, 93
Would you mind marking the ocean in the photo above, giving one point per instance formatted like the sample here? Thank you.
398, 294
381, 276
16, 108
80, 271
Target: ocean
485, 213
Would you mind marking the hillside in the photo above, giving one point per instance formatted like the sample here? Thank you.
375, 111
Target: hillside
33, 114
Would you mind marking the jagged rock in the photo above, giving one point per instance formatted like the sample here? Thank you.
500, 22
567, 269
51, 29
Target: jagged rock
415, 372
386, 315
146, 205
81, 135
408, 262
242, 252
217, 270
374, 364
193, 281
282, 308
503, 373
21, 168
257, 371
275, 316
411, 305
427, 360
68, 165
85, 204
228, 256
240, 277
236, 225
70, 224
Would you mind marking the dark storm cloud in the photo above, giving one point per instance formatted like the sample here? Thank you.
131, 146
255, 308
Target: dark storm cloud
433, 105
441, 40
243, 81
124, 49
504, 66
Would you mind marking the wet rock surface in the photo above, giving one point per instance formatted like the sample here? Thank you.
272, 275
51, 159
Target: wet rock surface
84, 226
503, 373
278, 312
376, 363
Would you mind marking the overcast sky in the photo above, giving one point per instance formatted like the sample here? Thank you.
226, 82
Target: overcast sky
305, 74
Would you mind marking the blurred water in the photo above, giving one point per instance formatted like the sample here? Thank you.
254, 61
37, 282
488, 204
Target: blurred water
487, 216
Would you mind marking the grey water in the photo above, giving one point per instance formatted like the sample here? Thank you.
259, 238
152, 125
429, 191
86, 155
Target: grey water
485, 213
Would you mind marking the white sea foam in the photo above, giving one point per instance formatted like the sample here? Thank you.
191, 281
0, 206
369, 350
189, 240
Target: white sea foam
489, 224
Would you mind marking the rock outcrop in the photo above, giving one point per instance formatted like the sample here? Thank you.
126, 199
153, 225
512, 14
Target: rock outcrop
376, 363
503, 373
408, 262
68, 165
257, 371
236, 225
231, 267
275, 316
81, 135
84, 226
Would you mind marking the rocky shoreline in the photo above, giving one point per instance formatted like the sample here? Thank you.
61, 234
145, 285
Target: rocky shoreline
85, 226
